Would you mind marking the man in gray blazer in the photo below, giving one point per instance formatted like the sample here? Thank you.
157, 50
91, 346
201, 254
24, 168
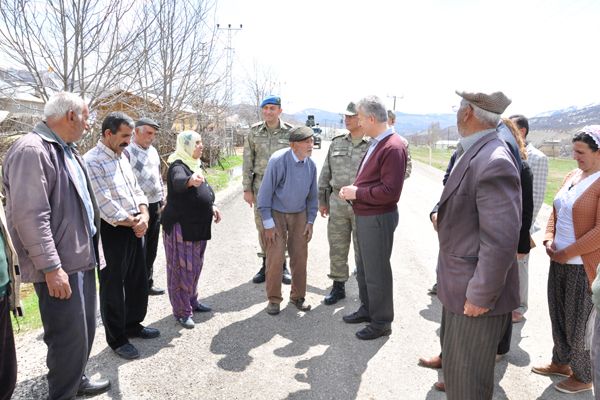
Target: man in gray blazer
479, 219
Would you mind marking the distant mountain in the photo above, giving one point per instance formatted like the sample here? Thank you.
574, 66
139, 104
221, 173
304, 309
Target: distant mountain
559, 121
406, 124
567, 119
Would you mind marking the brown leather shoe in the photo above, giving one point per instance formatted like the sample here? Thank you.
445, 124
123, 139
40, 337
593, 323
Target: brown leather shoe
517, 317
439, 386
553, 369
433, 362
572, 385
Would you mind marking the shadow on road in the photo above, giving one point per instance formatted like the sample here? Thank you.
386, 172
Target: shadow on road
107, 362
336, 373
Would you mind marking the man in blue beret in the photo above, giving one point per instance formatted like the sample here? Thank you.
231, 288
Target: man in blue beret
264, 139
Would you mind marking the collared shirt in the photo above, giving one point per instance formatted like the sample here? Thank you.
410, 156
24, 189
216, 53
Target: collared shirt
78, 177
114, 183
467, 142
374, 143
538, 162
146, 168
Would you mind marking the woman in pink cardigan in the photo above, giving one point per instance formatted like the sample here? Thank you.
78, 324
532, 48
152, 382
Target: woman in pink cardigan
573, 243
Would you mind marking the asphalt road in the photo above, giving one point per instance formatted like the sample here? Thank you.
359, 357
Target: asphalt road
240, 352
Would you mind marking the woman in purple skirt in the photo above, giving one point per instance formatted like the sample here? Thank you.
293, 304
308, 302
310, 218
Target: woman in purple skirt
186, 221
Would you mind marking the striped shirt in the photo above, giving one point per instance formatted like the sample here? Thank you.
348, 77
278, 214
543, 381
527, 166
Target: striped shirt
538, 162
114, 183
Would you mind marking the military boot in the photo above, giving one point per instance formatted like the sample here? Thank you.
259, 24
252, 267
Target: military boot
260, 275
338, 292
286, 278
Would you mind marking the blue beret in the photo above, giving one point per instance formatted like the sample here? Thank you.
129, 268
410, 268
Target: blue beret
271, 100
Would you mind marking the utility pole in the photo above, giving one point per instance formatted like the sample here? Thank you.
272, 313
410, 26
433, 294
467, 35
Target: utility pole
229, 66
395, 97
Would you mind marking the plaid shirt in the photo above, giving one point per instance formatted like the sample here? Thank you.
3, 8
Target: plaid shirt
114, 184
146, 167
538, 162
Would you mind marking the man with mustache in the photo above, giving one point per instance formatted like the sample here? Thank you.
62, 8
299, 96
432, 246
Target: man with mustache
124, 212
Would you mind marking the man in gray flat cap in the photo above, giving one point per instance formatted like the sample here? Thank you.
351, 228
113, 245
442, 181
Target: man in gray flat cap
478, 221
145, 163
287, 202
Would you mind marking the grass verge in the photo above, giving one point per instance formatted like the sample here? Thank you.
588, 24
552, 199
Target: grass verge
558, 168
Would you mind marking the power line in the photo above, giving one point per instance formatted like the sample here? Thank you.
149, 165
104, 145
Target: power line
229, 66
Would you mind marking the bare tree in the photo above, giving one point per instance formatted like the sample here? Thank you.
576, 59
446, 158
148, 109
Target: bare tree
260, 82
179, 60
83, 46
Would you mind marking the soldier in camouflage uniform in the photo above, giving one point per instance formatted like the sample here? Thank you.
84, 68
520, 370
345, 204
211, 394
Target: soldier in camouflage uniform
340, 167
264, 138
391, 122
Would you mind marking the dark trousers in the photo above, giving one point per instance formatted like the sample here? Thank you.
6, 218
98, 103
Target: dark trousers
503, 346
123, 284
570, 305
375, 236
69, 329
469, 346
151, 240
8, 357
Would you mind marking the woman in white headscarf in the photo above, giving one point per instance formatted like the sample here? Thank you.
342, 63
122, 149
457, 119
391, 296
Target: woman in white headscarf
186, 221
572, 241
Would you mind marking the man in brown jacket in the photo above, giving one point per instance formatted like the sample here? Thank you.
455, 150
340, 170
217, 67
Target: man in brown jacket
54, 221
479, 220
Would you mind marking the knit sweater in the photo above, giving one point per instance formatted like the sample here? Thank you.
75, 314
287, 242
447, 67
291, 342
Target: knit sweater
380, 180
586, 224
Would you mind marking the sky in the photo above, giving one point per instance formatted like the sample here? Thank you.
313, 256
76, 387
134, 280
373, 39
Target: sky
541, 54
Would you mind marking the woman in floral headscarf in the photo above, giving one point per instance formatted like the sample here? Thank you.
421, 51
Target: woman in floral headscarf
573, 243
186, 221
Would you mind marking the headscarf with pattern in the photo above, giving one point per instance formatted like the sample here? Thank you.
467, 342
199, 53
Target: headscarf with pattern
186, 143
592, 131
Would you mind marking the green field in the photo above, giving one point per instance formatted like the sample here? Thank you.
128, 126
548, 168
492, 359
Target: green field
217, 177
557, 167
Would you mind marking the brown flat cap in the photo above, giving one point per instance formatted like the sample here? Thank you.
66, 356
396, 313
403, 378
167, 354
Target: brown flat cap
494, 102
300, 133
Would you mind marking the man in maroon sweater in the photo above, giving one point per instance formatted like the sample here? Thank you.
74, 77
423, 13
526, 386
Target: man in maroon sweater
374, 197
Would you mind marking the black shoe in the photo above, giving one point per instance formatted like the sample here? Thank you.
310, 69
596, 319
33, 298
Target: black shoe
370, 333
92, 388
127, 351
356, 318
433, 290
146, 333
154, 291
286, 278
338, 292
260, 275
202, 308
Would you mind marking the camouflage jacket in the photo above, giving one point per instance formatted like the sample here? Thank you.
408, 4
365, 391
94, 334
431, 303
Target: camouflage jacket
259, 145
340, 166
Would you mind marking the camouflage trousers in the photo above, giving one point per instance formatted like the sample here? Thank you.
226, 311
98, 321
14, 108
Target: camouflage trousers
257, 219
341, 228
